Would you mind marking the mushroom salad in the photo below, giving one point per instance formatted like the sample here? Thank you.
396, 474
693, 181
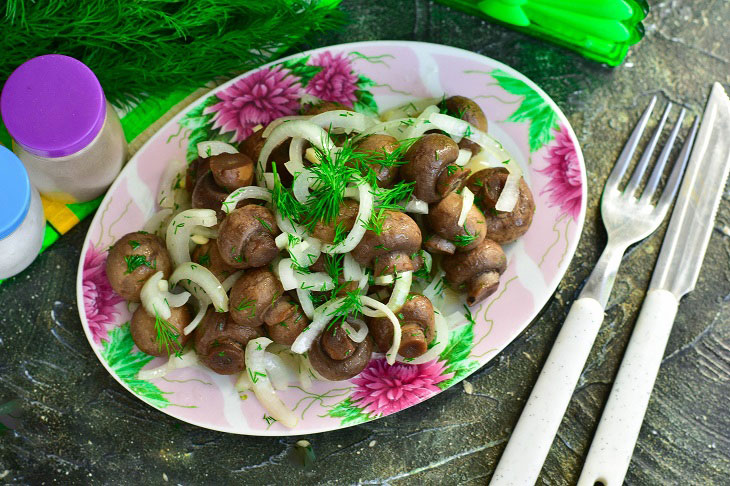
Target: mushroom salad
320, 241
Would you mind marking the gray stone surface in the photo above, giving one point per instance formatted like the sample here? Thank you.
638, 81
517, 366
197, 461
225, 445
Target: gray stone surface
76, 425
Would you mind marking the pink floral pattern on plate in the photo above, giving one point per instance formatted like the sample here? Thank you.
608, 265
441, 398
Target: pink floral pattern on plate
534, 131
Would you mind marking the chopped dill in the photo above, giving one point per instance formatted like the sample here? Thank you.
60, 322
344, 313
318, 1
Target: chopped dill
265, 225
351, 305
204, 260
285, 202
135, 261
465, 239
451, 169
167, 336
133, 244
247, 304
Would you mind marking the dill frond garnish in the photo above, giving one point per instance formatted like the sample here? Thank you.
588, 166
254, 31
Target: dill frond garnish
135, 261
167, 336
465, 239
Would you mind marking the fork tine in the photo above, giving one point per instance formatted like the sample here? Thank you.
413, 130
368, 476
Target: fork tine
676, 177
656, 174
646, 156
628, 152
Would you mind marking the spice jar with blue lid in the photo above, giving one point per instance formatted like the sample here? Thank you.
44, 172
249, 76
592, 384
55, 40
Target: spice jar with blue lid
22, 223
64, 131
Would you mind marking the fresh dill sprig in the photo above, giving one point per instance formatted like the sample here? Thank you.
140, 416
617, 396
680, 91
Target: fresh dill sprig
465, 239
351, 305
167, 336
285, 202
135, 261
396, 197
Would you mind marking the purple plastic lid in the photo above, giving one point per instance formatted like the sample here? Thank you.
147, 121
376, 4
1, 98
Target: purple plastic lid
53, 105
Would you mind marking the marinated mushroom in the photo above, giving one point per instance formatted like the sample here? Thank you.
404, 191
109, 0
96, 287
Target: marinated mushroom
502, 227
252, 146
221, 343
160, 339
290, 327
391, 249
469, 111
322, 107
436, 244
342, 223
196, 169
443, 218
478, 270
258, 297
232, 171
430, 163
246, 237
209, 256
417, 323
133, 259
209, 195
380, 148
336, 357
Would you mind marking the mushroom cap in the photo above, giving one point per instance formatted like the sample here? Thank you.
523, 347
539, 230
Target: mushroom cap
469, 111
336, 343
438, 245
144, 334
502, 227
444, 216
221, 343
470, 268
145, 249
427, 160
348, 214
209, 256
322, 107
400, 234
289, 328
252, 146
209, 195
418, 327
379, 147
232, 171
256, 297
196, 169
344, 369
246, 237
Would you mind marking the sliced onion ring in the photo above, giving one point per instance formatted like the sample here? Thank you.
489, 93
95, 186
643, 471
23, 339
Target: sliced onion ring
467, 200
255, 358
248, 192
215, 147
156, 299
463, 158
373, 308
188, 358
416, 206
364, 212
356, 335
322, 316
204, 278
181, 228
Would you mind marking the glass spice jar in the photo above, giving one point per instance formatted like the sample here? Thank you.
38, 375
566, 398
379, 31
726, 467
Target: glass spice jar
65, 132
22, 223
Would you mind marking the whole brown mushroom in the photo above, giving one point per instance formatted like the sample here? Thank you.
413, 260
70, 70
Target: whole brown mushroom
133, 259
336, 357
502, 227
163, 342
345, 220
469, 111
196, 169
418, 327
209, 256
246, 237
232, 171
477, 270
252, 146
443, 218
322, 107
379, 148
221, 343
390, 250
209, 195
430, 163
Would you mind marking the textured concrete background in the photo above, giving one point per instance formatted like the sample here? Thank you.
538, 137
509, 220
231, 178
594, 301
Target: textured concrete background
77, 425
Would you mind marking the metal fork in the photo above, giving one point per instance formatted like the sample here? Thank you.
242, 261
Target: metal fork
629, 216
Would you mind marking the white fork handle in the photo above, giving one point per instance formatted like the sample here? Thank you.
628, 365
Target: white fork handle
612, 446
530, 442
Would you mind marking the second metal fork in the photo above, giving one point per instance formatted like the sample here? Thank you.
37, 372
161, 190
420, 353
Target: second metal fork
629, 216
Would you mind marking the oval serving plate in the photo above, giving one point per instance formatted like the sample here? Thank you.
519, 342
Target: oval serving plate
372, 77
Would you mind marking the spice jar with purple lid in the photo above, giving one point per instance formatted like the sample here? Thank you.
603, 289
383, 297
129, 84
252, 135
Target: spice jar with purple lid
64, 131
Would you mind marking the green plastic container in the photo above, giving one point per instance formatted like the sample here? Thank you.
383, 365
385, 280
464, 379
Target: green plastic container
602, 30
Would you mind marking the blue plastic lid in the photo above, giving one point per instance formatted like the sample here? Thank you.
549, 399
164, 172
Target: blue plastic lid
14, 192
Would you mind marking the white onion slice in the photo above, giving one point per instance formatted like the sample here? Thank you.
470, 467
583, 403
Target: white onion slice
400, 291
441, 338
322, 316
301, 185
248, 192
351, 270
189, 358
157, 224
305, 300
295, 164
372, 309
510, 193
357, 335
466, 203
343, 121
228, 282
282, 119
215, 147
276, 369
358, 230
210, 232
463, 158
416, 206
202, 309
314, 134
435, 288
292, 279
181, 228
286, 274
427, 260
173, 180
395, 128
384, 279
412, 109
156, 299
204, 278
256, 367
305, 378
459, 128
243, 383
